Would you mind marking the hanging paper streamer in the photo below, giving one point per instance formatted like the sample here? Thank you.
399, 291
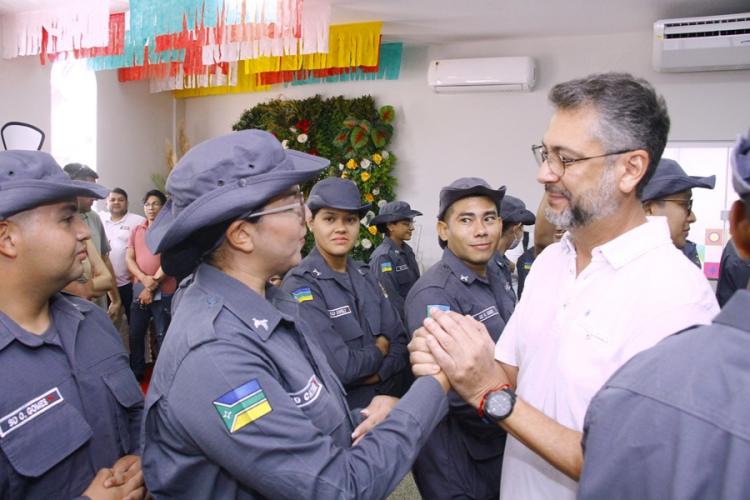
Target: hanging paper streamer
76, 25
115, 46
388, 69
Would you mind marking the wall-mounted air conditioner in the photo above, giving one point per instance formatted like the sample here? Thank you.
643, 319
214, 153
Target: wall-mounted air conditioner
486, 74
702, 43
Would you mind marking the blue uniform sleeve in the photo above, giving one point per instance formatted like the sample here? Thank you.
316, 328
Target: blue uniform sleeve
349, 364
275, 451
734, 274
386, 274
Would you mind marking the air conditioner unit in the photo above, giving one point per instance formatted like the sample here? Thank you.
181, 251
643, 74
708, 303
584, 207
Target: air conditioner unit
487, 74
702, 43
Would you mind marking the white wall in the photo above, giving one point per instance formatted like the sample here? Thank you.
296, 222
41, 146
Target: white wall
25, 93
441, 137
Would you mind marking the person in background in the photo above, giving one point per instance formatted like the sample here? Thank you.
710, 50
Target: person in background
463, 457
514, 215
83, 173
734, 274
152, 287
118, 224
545, 234
70, 410
356, 325
649, 430
243, 403
669, 193
393, 261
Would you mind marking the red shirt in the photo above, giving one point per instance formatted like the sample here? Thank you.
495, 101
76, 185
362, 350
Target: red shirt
147, 261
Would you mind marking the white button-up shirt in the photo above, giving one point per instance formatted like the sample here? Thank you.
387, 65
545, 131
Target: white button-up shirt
117, 234
569, 333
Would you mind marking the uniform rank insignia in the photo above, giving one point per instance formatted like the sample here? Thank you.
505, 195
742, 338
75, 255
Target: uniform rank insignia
29, 411
439, 307
302, 294
386, 267
242, 405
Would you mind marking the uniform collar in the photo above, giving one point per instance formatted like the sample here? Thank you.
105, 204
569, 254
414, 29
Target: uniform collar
59, 305
255, 311
735, 312
630, 245
320, 269
459, 269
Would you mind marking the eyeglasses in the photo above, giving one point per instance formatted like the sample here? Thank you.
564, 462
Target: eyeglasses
298, 207
686, 204
557, 164
154, 204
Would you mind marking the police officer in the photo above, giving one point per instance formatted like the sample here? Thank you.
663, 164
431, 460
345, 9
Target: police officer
734, 274
393, 261
514, 216
359, 329
669, 193
70, 405
463, 457
242, 402
651, 429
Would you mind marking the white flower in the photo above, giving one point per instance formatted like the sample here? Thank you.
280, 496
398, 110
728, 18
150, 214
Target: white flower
385, 154
365, 221
285, 143
341, 166
381, 203
376, 191
366, 244
365, 163
293, 130
302, 138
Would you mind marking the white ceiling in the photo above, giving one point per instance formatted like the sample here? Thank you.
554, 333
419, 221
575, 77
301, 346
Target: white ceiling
445, 21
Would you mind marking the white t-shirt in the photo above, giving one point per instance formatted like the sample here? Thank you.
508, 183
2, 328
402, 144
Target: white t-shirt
568, 334
117, 235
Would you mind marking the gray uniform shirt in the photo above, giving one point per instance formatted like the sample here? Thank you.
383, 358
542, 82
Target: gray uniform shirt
396, 269
673, 421
243, 404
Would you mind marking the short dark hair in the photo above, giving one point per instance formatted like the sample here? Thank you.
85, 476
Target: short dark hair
631, 114
155, 192
507, 227
122, 192
383, 228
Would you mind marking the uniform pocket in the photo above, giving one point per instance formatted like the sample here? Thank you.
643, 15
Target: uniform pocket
127, 396
42, 434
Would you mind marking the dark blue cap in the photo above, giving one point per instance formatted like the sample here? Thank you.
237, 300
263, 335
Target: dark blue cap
32, 178
393, 212
465, 187
669, 178
513, 211
740, 160
334, 192
225, 178
80, 172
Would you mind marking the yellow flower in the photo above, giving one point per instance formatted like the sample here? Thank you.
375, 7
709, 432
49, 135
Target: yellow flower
345, 175
369, 198
365, 176
377, 159
351, 164
373, 229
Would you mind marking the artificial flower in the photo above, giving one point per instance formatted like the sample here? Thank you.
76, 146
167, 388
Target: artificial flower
373, 230
292, 130
369, 198
351, 164
285, 143
376, 191
302, 138
377, 159
366, 244
345, 175
365, 163
381, 203
341, 166
365, 176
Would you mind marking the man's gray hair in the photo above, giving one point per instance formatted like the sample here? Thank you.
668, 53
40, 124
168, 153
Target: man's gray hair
631, 114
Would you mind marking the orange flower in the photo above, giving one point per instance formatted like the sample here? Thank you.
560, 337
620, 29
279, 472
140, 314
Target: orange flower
372, 229
351, 164
369, 198
365, 176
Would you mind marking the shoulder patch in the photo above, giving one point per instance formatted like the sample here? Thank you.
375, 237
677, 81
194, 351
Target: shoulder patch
302, 294
307, 394
440, 307
386, 267
242, 405
29, 410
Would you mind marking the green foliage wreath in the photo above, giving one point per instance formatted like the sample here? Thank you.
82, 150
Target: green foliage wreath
353, 133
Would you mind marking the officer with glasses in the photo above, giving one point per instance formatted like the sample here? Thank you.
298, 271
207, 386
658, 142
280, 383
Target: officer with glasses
669, 193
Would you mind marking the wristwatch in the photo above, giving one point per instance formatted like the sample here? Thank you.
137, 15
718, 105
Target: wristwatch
497, 404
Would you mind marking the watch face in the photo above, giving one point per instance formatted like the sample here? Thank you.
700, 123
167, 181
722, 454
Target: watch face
499, 405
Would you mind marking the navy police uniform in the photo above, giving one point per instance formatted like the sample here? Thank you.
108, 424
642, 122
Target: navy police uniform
690, 250
347, 312
396, 269
463, 456
500, 265
734, 274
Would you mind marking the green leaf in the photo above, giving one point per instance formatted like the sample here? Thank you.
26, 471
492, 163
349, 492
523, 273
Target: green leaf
350, 122
387, 114
378, 137
358, 139
349, 153
342, 138
365, 125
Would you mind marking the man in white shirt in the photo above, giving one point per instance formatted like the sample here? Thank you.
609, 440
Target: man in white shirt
614, 286
117, 224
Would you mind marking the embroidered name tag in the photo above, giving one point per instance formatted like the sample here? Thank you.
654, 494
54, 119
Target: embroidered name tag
29, 411
401, 268
339, 311
307, 394
486, 314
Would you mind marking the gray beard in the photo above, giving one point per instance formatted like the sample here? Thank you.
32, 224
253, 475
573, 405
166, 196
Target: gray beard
589, 206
